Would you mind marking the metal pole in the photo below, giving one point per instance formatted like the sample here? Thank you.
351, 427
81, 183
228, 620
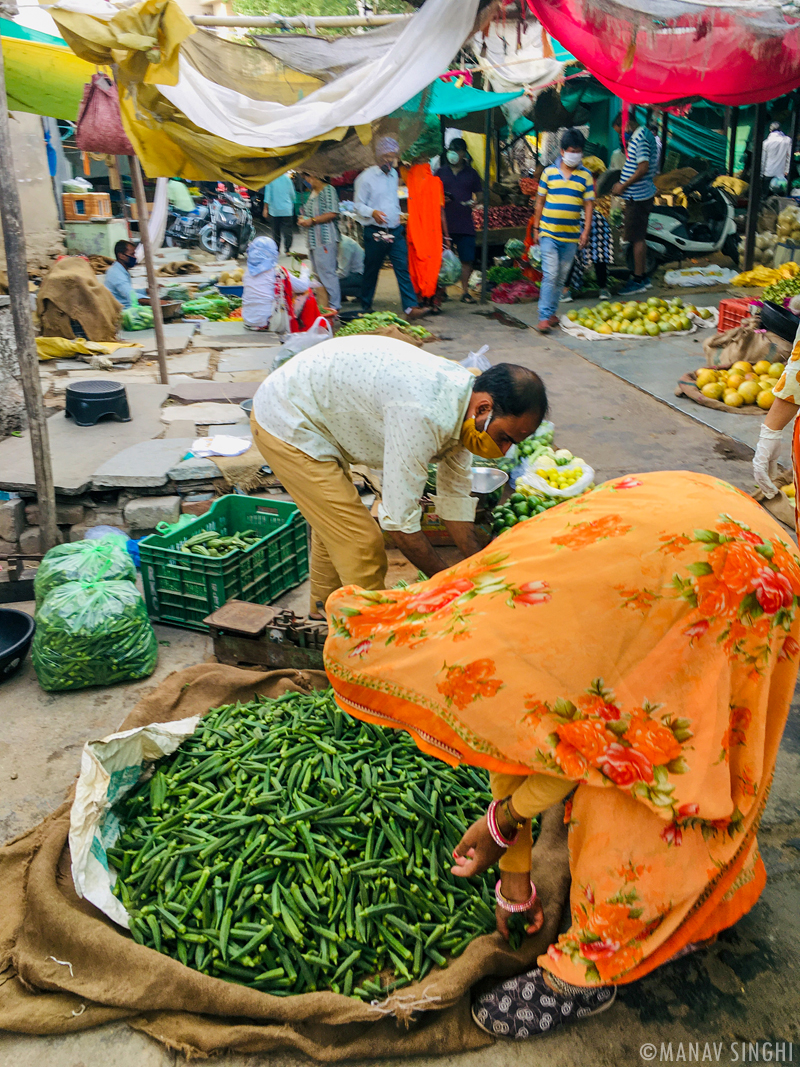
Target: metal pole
794, 135
152, 282
487, 166
333, 22
664, 136
754, 201
17, 270
732, 129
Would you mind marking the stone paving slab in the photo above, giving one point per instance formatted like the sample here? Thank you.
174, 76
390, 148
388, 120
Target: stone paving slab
204, 413
191, 361
191, 393
194, 470
77, 451
246, 359
177, 336
142, 466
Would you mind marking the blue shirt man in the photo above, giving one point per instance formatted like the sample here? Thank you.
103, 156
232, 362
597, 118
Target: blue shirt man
279, 210
117, 279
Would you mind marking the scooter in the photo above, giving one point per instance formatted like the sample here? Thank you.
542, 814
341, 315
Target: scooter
671, 235
183, 227
230, 227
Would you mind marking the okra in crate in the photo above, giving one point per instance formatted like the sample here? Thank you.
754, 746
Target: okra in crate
183, 587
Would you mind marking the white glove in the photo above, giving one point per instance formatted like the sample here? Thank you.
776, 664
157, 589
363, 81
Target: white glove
765, 460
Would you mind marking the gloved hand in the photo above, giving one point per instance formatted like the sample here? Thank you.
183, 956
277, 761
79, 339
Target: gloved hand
765, 460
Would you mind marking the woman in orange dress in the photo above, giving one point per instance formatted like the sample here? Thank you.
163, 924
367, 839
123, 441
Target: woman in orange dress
424, 232
636, 647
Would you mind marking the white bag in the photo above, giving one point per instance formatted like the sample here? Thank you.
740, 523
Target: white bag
280, 321
477, 362
299, 342
532, 479
109, 770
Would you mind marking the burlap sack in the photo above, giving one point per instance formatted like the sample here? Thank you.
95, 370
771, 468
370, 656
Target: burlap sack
722, 350
780, 506
65, 967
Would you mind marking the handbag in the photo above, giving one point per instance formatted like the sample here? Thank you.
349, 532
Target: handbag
279, 321
99, 127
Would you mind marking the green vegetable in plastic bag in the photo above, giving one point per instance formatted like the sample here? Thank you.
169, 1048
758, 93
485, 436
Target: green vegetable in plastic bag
92, 633
515, 248
104, 559
139, 317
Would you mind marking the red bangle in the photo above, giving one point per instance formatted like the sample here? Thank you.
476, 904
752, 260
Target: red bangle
506, 905
494, 829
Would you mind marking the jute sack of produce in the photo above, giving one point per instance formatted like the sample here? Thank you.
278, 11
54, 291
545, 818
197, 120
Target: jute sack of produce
66, 967
743, 342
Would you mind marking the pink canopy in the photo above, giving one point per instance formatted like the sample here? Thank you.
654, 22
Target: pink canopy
662, 51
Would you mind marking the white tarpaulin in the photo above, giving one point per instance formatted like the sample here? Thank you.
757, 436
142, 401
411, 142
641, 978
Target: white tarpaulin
508, 68
423, 50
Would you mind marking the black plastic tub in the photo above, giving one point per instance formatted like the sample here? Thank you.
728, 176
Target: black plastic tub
779, 320
16, 634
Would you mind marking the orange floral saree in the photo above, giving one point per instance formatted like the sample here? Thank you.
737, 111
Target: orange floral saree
641, 640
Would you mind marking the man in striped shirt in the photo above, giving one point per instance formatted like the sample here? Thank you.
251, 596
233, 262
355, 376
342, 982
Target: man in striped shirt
637, 188
565, 188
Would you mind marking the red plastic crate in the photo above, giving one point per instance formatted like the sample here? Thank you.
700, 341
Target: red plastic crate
731, 312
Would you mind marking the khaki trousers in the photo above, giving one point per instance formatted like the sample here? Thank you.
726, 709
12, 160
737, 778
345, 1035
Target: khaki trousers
346, 543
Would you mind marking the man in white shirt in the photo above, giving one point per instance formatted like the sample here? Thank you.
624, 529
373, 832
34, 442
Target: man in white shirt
384, 404
350, 267
776, 154
378, 208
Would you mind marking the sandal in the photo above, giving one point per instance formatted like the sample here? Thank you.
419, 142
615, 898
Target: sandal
526, 1006
467, 299
544, 327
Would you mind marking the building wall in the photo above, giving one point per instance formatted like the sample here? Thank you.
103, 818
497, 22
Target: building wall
39, 213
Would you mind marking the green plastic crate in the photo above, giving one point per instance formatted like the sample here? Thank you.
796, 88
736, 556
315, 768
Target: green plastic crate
182, 589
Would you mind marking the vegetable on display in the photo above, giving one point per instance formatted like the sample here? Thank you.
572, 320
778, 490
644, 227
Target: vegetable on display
641, 318
780, 291
292, 848
376, 321
502, 217
210, 543
102, 559
499, 274
92, 633
514, 292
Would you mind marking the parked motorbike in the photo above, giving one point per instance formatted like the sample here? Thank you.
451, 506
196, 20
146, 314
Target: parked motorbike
229, 229
672, 235
183, 227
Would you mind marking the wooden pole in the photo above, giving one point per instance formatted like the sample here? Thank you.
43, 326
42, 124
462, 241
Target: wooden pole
152, 281
17, 269
733, 126
487, 184
754, 202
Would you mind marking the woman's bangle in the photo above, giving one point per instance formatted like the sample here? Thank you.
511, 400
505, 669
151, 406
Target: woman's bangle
494, 829
512, 818
507, 905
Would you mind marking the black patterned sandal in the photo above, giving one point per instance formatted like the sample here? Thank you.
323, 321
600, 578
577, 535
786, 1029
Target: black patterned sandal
526, 1005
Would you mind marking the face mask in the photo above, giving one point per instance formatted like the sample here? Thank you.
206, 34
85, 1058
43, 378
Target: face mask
306, 185
386, 168
478, 442
128, 261
572, 159
452, 158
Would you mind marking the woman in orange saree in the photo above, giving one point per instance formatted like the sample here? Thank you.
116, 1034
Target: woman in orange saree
638, 645
424, 231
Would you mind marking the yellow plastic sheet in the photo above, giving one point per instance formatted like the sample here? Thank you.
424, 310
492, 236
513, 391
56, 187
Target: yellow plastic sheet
64, 347
44, 79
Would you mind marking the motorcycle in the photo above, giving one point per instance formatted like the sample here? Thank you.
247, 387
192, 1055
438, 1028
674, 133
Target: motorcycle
672, 235
183, 228
229, 229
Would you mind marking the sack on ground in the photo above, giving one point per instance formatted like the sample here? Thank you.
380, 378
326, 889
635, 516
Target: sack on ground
745, 342
92, 633
102, 559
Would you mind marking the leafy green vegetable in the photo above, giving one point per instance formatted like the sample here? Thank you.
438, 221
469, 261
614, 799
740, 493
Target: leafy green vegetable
380, 320
499, 275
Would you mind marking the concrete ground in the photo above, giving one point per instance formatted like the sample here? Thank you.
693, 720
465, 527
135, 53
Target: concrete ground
745, 989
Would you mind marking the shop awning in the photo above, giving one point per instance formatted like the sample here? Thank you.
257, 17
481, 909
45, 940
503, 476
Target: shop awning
447, 98
42, 75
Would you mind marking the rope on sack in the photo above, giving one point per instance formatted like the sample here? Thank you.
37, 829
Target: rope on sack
64, 963
406, 1004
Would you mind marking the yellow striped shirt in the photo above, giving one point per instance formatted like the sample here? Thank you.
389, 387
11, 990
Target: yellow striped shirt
563, 200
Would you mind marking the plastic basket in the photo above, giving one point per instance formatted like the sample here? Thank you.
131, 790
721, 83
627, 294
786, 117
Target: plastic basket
181, 588
731, 312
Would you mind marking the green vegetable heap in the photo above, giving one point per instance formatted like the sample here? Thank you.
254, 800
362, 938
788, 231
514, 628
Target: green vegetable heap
380, 320
292, 848
210, 307
518, 509
499, 275
780, 290
210, 543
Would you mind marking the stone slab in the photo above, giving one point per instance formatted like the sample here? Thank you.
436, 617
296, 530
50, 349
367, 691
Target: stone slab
204, 413
239, 429
146, 512
189, 362
77, 451
181, 428
246, 359
195, 469
196, 391
143, 465
177, 336
12, 519
242, 376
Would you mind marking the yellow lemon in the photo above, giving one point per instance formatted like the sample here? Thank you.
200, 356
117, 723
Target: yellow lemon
762, 367
788, 490
735, 380
776, 370
705, 377
742, 366
713, 390
765, 398
733, 399
750, 391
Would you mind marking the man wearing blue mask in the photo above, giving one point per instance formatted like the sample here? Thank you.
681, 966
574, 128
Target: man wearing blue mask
117, 278
378, 207
462, 184
384, 404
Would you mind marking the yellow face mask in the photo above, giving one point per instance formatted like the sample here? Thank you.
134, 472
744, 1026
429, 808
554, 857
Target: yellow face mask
478, 442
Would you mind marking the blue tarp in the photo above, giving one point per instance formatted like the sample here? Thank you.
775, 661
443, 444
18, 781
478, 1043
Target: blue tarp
446, 99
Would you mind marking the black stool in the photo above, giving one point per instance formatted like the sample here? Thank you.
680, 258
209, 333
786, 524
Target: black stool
89, 401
